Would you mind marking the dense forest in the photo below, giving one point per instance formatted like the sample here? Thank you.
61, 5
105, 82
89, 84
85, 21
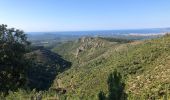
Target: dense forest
90, 68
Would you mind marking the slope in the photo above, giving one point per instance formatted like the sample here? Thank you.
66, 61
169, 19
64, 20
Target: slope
45, 66
143, 64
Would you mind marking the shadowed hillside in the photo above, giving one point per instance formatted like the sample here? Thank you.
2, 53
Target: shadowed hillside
46, 65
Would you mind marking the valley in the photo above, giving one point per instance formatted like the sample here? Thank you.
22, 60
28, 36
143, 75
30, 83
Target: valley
139, 62
84, 50
91, 68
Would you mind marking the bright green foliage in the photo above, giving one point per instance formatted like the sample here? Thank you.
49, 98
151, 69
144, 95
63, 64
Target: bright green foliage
13, 65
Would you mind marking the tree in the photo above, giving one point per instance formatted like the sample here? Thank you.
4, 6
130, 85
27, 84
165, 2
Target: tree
101, 95
115, 87
13, 63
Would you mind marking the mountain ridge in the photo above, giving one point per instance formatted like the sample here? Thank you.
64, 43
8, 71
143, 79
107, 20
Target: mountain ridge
133, 60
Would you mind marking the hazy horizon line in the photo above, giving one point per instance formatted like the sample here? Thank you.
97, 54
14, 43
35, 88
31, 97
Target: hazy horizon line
99, 30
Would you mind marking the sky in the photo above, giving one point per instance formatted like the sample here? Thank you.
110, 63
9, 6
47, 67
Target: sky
83, 15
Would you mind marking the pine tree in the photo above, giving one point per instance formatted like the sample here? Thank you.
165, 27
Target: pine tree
101, 95
115, 86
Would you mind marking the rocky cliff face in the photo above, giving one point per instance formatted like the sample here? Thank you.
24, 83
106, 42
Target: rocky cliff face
89, 43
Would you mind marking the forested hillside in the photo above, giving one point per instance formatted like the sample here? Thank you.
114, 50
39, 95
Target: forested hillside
90, 68
45, 67
26, 68
144, 66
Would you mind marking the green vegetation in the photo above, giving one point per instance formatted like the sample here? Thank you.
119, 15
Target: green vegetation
115, 87
84, 69
13, 64
144, 66
101, 95
24, 67
119, 40
45, 67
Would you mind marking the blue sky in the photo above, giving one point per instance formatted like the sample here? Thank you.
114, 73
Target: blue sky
79, 15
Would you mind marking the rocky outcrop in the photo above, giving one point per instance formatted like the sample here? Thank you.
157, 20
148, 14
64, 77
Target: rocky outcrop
88, 43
